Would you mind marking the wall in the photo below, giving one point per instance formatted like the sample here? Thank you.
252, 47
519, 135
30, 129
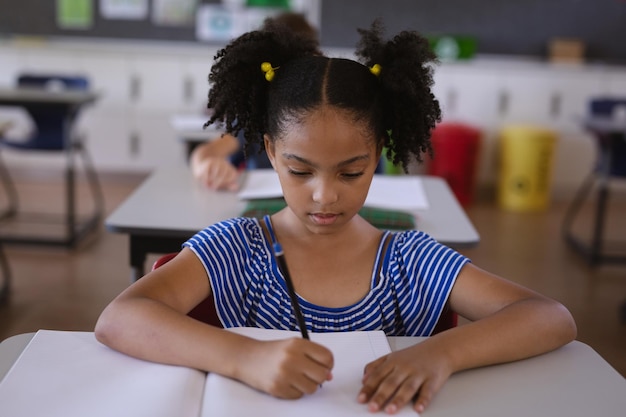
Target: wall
521, 27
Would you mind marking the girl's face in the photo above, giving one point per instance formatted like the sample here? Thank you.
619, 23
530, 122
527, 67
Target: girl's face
325, 164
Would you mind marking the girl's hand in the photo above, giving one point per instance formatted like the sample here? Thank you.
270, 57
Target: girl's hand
216, 173
286, 368
391, 381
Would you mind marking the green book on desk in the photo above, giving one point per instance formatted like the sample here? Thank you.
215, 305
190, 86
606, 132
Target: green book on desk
70, 374
381, 218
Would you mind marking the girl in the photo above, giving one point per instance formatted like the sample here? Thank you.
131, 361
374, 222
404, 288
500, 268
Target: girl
323, 122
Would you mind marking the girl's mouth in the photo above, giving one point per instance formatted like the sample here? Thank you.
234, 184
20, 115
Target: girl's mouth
324, 218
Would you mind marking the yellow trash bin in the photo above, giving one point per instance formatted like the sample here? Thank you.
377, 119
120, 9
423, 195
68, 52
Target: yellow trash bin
526, 161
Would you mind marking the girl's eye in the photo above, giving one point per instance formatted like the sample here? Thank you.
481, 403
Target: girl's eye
298, 173
352, 175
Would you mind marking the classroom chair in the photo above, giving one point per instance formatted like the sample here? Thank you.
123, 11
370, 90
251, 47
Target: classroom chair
54, 133
6, 277
206, 312
607, 123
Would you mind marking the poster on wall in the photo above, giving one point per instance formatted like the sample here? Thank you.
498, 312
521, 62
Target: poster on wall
215, 22
74, 14
174, 12
124, 9
231, 18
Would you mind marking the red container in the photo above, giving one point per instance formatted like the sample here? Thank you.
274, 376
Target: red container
456, 147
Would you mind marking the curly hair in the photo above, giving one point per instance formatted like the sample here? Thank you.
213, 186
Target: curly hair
396, 107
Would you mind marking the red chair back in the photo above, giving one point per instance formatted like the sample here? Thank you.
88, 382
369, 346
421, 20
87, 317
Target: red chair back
205, 311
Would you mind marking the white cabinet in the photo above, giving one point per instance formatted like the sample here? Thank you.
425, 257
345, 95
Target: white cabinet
551, 96
196, 82
10, 63
467, 94
108, 74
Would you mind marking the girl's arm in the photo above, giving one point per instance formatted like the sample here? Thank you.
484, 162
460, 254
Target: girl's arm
210, 165
149, 321
509, 322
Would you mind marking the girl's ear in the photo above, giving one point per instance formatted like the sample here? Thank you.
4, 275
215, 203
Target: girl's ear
269, 149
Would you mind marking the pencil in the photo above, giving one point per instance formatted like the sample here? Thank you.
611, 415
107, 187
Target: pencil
282, 265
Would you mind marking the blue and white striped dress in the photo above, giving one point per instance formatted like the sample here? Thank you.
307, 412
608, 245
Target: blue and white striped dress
408, 297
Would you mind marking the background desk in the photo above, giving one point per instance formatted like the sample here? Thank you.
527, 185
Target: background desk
170, 207
569, 382
190, 132
66, 105
24, 97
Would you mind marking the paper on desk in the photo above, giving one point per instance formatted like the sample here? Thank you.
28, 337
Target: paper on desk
188, 123
70, 374
351, 352
402, 192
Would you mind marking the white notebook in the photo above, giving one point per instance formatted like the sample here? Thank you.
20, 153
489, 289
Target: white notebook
401, 192
70, 374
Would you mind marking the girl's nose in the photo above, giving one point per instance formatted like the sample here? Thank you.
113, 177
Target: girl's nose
325, 192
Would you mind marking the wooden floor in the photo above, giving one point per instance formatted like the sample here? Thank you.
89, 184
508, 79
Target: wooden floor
63, 289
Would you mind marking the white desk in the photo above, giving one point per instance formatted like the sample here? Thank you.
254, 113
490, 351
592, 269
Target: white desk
170, 207
569, 382
190, 132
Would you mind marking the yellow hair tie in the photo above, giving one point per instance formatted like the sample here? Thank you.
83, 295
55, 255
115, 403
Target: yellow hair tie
375, 69
267, 68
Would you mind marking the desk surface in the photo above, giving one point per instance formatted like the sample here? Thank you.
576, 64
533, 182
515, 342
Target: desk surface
571, 381
171, 203
23, 96
189, 128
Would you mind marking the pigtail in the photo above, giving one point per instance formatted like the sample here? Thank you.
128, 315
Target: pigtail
410, 109
239, 88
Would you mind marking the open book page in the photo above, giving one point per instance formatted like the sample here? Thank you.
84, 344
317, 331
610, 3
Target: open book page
402, 192
70, 374
351, 351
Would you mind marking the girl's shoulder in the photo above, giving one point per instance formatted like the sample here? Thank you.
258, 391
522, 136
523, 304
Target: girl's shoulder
244, 229
410, 239
414, 246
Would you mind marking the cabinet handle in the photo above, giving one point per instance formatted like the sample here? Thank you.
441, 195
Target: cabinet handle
134, 144
188, 90
135, 87
451, 100
556, 99
503, 103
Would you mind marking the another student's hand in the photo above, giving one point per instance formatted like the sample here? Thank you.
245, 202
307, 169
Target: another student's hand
287, 368
216, 173
416, 373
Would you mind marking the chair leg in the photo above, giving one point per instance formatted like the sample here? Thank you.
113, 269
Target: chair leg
573, 209
6, 273
11, 191
94, 183
75, 230
598, 227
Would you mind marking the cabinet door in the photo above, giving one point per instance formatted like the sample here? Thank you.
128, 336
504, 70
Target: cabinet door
108, 74
195, 81
11, 60
524, 96
615, 85
551, 95
470, 95
41, 60
156, 83
155, 142
108, 138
